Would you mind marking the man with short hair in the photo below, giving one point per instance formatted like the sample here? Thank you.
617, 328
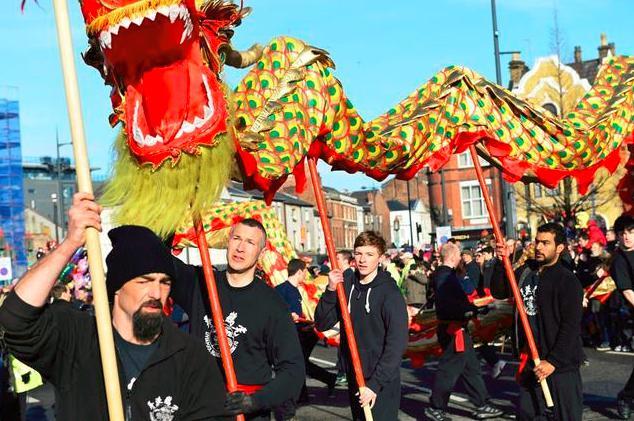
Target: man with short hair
164, 372
552, 297
459, 359
289, 291
61, 292
266, 353
379, 317
623, 274
344, 260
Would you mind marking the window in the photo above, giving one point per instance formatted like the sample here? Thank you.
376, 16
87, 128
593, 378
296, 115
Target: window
551, 108
538, 190
473, 205
553, 192
464, 160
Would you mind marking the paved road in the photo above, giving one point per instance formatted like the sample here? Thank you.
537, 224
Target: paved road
602, 380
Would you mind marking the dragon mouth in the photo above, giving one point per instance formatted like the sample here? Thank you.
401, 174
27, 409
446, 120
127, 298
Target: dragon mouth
172, 102
140, 127
172, 12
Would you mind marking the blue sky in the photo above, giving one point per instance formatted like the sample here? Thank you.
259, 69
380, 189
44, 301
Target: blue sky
383, 51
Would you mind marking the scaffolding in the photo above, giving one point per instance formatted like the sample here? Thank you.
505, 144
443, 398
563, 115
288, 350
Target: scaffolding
12, 228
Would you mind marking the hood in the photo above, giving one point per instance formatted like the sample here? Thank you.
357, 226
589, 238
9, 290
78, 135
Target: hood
382, 278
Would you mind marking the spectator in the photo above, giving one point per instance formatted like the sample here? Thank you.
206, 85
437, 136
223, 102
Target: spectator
623, 274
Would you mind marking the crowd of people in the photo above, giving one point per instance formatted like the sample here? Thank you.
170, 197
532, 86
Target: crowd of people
575, 285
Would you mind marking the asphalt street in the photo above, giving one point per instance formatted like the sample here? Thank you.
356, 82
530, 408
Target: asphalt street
602, 380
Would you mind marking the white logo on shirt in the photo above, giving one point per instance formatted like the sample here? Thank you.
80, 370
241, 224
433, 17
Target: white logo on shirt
233, 331
529, 296
162, 410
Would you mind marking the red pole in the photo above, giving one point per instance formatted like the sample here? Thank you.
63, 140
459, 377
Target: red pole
341, 294
216, 309
510, 275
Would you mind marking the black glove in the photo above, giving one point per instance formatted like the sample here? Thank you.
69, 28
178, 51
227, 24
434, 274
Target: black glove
484, 309
241, 403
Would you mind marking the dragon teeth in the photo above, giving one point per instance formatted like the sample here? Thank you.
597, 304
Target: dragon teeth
151, 15
138, 20
125, 22
105, 40
174, 12
163, 10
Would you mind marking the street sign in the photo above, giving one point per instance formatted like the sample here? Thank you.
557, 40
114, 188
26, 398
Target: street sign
442, 235
6, 275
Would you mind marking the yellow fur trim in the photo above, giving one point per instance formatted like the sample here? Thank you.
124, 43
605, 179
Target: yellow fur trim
130, 11
162, 200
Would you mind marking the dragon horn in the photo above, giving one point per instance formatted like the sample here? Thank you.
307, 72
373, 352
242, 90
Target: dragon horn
242, 59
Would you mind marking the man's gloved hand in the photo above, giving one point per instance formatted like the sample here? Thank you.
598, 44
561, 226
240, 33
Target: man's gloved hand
241, 403
485, 309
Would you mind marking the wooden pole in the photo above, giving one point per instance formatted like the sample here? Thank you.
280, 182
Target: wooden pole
509, 273
341, 294
93, 246
216, 309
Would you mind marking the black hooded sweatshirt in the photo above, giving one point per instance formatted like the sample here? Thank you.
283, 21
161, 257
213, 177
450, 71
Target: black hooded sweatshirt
178, 380
380, 321
263, 339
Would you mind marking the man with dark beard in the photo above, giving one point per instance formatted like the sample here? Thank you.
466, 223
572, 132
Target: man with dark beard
265, 349
165, 374
552, 298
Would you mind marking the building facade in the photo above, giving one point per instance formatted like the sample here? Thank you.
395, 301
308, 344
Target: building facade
456, 197
557, 87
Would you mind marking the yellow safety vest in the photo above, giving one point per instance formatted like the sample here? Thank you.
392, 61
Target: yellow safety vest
24, 377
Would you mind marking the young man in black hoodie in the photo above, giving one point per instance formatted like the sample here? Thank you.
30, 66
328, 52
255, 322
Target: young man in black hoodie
552, 298
164, 373
459, 359
622, 271
379, 317
266, 353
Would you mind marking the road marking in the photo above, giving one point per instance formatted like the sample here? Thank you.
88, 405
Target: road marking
425, 390
620, 353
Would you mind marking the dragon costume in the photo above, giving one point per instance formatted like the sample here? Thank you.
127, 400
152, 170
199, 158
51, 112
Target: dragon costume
185, 133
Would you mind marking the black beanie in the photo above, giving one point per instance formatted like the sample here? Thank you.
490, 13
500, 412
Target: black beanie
136, 251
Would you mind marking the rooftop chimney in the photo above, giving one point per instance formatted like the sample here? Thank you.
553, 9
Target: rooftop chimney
604, 48
578, 58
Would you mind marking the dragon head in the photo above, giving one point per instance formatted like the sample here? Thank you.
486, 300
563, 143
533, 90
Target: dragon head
162, 59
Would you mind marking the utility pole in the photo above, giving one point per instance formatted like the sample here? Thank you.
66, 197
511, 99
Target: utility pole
409, 209
508, 201
443, 196
59, 221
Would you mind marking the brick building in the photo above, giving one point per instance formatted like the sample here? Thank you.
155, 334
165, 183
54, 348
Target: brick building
464, 208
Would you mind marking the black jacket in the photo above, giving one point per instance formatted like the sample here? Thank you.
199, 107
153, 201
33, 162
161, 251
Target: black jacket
380, 321
61, 343
264, 342
559, 310
487, 274
451, 301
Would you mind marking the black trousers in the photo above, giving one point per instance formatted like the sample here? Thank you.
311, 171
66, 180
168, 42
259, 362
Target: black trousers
454, 365
566, 390
388, 401
628, 389
308, 339
490, 355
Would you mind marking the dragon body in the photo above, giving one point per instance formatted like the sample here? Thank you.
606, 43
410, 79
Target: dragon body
185, 133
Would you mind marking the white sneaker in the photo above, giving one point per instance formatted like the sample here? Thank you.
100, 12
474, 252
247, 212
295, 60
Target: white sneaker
498, 368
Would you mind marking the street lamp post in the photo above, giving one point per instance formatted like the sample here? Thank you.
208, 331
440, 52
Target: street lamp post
54, 200
409, 209
507, 191
60, 193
